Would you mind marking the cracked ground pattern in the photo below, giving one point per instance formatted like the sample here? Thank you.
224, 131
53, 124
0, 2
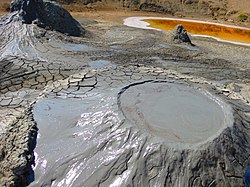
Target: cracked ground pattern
50, 90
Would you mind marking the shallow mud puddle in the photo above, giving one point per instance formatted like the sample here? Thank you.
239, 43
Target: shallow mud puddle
223, 32
70, 47
100, 64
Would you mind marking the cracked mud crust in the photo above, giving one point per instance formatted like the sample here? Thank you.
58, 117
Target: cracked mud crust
17, 146
67, 87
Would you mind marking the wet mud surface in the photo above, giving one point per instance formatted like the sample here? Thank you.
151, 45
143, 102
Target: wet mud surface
72, 90
165, 109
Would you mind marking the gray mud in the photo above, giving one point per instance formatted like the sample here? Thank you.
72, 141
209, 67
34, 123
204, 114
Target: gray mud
46, 14
92, 141
175, 112
70, 46
70, 133
101, 64
72, 90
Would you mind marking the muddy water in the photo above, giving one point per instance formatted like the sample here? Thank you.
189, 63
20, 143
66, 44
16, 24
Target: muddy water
70, 47
101, 64
175, 112
223, 32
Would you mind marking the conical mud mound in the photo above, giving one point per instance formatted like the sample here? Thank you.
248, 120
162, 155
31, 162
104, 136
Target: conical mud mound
46, 14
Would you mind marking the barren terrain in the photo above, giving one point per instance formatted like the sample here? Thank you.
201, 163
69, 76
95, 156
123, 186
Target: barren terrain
120, 106
217, 11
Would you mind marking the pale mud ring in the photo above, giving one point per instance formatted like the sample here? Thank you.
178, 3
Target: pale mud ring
175, 112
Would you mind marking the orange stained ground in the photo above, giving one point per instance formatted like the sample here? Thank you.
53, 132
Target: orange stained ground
222, 32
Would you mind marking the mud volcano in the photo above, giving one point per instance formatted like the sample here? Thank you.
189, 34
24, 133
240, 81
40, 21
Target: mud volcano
92, 112
167, 132
175, 112
46, 14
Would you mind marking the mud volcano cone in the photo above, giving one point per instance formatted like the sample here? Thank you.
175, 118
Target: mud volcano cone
181, 35
46, 14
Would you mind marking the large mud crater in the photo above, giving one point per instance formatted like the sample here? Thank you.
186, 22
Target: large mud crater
176, 112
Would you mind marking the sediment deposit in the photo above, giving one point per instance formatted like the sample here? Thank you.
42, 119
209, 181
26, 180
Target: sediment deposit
72, 93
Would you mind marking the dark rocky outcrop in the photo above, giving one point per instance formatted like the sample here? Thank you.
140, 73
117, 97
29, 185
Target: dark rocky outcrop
46, 14
181, 35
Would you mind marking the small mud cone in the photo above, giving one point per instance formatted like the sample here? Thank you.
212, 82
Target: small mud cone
181, 35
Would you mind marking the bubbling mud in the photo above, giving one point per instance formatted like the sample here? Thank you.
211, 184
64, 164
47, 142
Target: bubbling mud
175, 112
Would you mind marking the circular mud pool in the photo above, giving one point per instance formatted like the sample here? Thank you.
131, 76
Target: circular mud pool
176, 112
